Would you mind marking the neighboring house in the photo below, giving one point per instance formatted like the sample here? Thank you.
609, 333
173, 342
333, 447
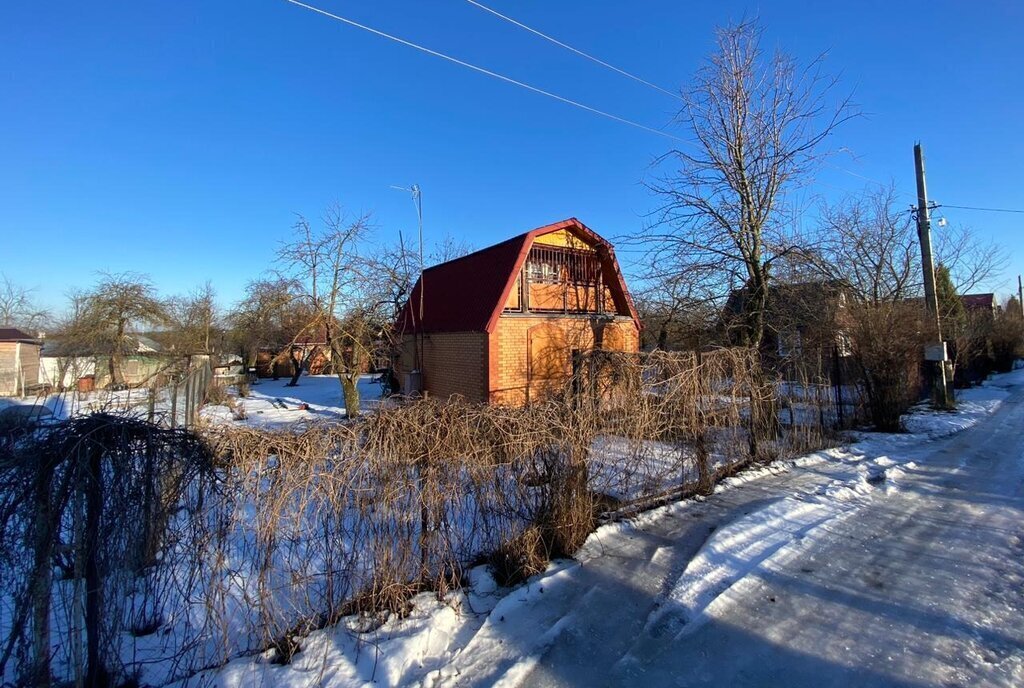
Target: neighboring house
19, 362
804, 331
61, 370
62, 366
980, 303
501, 324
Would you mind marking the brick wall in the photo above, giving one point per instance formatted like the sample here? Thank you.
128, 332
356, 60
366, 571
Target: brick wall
498, 368
453, 363
513, 379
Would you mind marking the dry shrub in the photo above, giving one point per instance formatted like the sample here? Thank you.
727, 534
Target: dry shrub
217, 394
1007, 341
517, 559
99, 494
888, 339
330, 520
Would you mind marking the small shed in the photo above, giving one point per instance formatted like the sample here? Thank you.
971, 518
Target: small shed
19, 362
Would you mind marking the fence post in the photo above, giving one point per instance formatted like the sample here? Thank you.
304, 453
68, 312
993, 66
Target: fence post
189, 382
174, 404
838, 384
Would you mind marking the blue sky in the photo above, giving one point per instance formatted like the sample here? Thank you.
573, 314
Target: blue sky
178, 139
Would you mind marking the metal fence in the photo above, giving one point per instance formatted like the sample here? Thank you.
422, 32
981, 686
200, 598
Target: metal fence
185, 394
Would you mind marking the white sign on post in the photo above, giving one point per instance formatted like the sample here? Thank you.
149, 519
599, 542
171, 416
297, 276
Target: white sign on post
936, 352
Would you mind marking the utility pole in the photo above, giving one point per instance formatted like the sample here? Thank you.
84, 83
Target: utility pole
1020, 296
942, 388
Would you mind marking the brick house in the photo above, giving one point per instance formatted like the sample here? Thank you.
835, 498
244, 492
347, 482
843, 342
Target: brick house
501, 324
19, 362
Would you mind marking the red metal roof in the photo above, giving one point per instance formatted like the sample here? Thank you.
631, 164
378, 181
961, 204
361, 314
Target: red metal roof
469, 293
978, 301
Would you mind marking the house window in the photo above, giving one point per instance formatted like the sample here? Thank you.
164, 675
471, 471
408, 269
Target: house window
543, 271
844, 344
790, 344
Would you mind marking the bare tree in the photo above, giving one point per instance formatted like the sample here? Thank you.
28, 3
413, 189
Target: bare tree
194, 324
871, 246
337, 280
675, 314
17, 309
270, 316
971, 260
760, 125
449, 248
110, 311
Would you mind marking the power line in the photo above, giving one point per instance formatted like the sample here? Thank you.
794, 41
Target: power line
579, 52
854, 174
487, 72
988, 210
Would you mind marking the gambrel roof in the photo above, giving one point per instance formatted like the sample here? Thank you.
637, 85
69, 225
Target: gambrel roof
469, 293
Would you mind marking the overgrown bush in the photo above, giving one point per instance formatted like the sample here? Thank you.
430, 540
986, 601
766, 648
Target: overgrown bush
217, 394
93, 496
888, 339
1007, 341
251, 538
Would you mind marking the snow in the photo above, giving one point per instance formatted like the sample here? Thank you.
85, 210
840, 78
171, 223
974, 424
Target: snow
321, 395
684, 582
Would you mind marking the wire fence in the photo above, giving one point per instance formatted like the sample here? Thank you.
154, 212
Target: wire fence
182, 545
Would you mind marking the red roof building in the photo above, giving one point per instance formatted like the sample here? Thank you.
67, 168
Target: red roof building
501, 324
985, 303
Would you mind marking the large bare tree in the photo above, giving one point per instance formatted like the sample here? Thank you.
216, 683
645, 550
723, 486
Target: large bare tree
194, 326
759, 125
871, 244
270, 316
337, 278
110, 312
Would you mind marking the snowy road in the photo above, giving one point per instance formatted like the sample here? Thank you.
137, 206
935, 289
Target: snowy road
912, 575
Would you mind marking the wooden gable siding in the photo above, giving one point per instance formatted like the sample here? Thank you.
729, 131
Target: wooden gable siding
19, 367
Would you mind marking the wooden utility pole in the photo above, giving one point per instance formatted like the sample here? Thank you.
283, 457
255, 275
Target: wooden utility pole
942, 388
1020, 296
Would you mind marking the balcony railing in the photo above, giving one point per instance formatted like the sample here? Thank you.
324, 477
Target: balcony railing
560, 280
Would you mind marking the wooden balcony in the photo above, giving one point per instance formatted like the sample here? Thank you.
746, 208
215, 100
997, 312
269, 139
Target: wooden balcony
560, 280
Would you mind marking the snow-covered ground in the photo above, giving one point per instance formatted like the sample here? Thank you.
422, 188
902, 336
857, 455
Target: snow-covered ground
272, 404
896, 560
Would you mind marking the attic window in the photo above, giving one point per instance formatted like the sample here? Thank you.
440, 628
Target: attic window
545, 271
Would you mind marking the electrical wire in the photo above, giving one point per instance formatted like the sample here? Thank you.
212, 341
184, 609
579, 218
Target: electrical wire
579, 52
988, 210
486, 72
